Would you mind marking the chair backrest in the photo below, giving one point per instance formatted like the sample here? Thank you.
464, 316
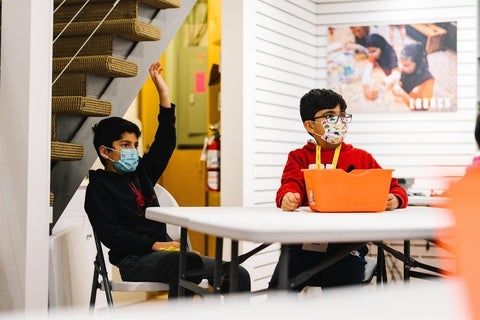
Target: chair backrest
165, 199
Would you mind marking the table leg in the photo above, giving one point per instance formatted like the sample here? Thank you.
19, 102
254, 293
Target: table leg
409, 263
182, 262
234, 267
217, 272
406, 262
283, 265
381, 267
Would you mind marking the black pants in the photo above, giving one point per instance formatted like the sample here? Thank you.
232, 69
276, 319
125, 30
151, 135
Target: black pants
348, 271
163, 266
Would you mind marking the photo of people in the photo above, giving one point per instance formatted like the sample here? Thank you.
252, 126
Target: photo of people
394, 68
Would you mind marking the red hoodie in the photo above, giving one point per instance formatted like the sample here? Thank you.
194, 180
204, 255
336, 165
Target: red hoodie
350, 158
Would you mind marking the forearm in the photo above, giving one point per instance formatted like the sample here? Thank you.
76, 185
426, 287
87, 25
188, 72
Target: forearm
164, 97
156, 159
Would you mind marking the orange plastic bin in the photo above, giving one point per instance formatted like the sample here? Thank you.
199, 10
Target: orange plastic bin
334, 190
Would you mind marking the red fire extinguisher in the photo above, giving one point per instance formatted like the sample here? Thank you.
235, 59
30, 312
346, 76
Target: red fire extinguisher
213, 160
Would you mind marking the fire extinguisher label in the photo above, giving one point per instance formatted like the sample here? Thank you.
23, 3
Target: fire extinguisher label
213, 180
213, 159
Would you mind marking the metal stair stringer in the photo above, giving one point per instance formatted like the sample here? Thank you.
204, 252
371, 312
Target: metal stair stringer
66, 176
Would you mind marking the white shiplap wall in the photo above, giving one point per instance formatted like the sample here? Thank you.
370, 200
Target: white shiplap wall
284, 47
285, 68
274, 51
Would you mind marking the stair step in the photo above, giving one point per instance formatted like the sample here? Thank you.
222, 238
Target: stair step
106, 66
70, 84
79, 84
108, 45
159, 4
96, 45
63, 151
131, 29
96, 11
77, 105
163, 4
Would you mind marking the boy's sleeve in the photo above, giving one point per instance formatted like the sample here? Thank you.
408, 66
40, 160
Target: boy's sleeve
292, 179
156, 159
399, 192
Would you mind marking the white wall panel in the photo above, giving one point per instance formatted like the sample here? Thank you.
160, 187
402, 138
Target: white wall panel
276, 146
296, 9
296, 59
404, 140
267, 184
267, 172
303, 66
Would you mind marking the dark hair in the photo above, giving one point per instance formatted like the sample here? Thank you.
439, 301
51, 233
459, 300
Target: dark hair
111, 129
319, 99
416, 53
361, 40
477, 130
376, 41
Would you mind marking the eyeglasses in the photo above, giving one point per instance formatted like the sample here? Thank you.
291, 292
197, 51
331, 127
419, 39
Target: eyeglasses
333, 118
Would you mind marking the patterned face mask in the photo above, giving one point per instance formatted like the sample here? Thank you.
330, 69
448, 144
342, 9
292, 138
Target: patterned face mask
334, 132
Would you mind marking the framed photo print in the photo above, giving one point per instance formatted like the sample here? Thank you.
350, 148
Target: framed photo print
394, 68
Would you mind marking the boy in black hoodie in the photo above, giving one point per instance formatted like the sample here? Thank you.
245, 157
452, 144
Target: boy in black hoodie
117, 196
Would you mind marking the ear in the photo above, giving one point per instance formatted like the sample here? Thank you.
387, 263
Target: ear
309, 126
103, 152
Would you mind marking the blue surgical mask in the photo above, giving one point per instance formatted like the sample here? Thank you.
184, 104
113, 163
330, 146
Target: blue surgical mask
128, 160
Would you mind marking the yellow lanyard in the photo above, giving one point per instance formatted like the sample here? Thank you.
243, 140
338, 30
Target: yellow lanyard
318, 161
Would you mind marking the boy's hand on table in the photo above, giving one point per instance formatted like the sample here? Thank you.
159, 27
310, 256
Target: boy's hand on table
290, 201
392, 202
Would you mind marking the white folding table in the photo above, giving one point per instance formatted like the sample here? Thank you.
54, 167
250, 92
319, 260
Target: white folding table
271, 224
428, 201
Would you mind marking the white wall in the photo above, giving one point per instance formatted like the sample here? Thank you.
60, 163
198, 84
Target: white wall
25, 97
274, 51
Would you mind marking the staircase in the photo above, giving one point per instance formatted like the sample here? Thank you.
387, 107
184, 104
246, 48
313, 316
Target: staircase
101, 53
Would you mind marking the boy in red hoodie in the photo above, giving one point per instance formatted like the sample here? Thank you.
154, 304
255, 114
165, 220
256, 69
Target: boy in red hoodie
324, 116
